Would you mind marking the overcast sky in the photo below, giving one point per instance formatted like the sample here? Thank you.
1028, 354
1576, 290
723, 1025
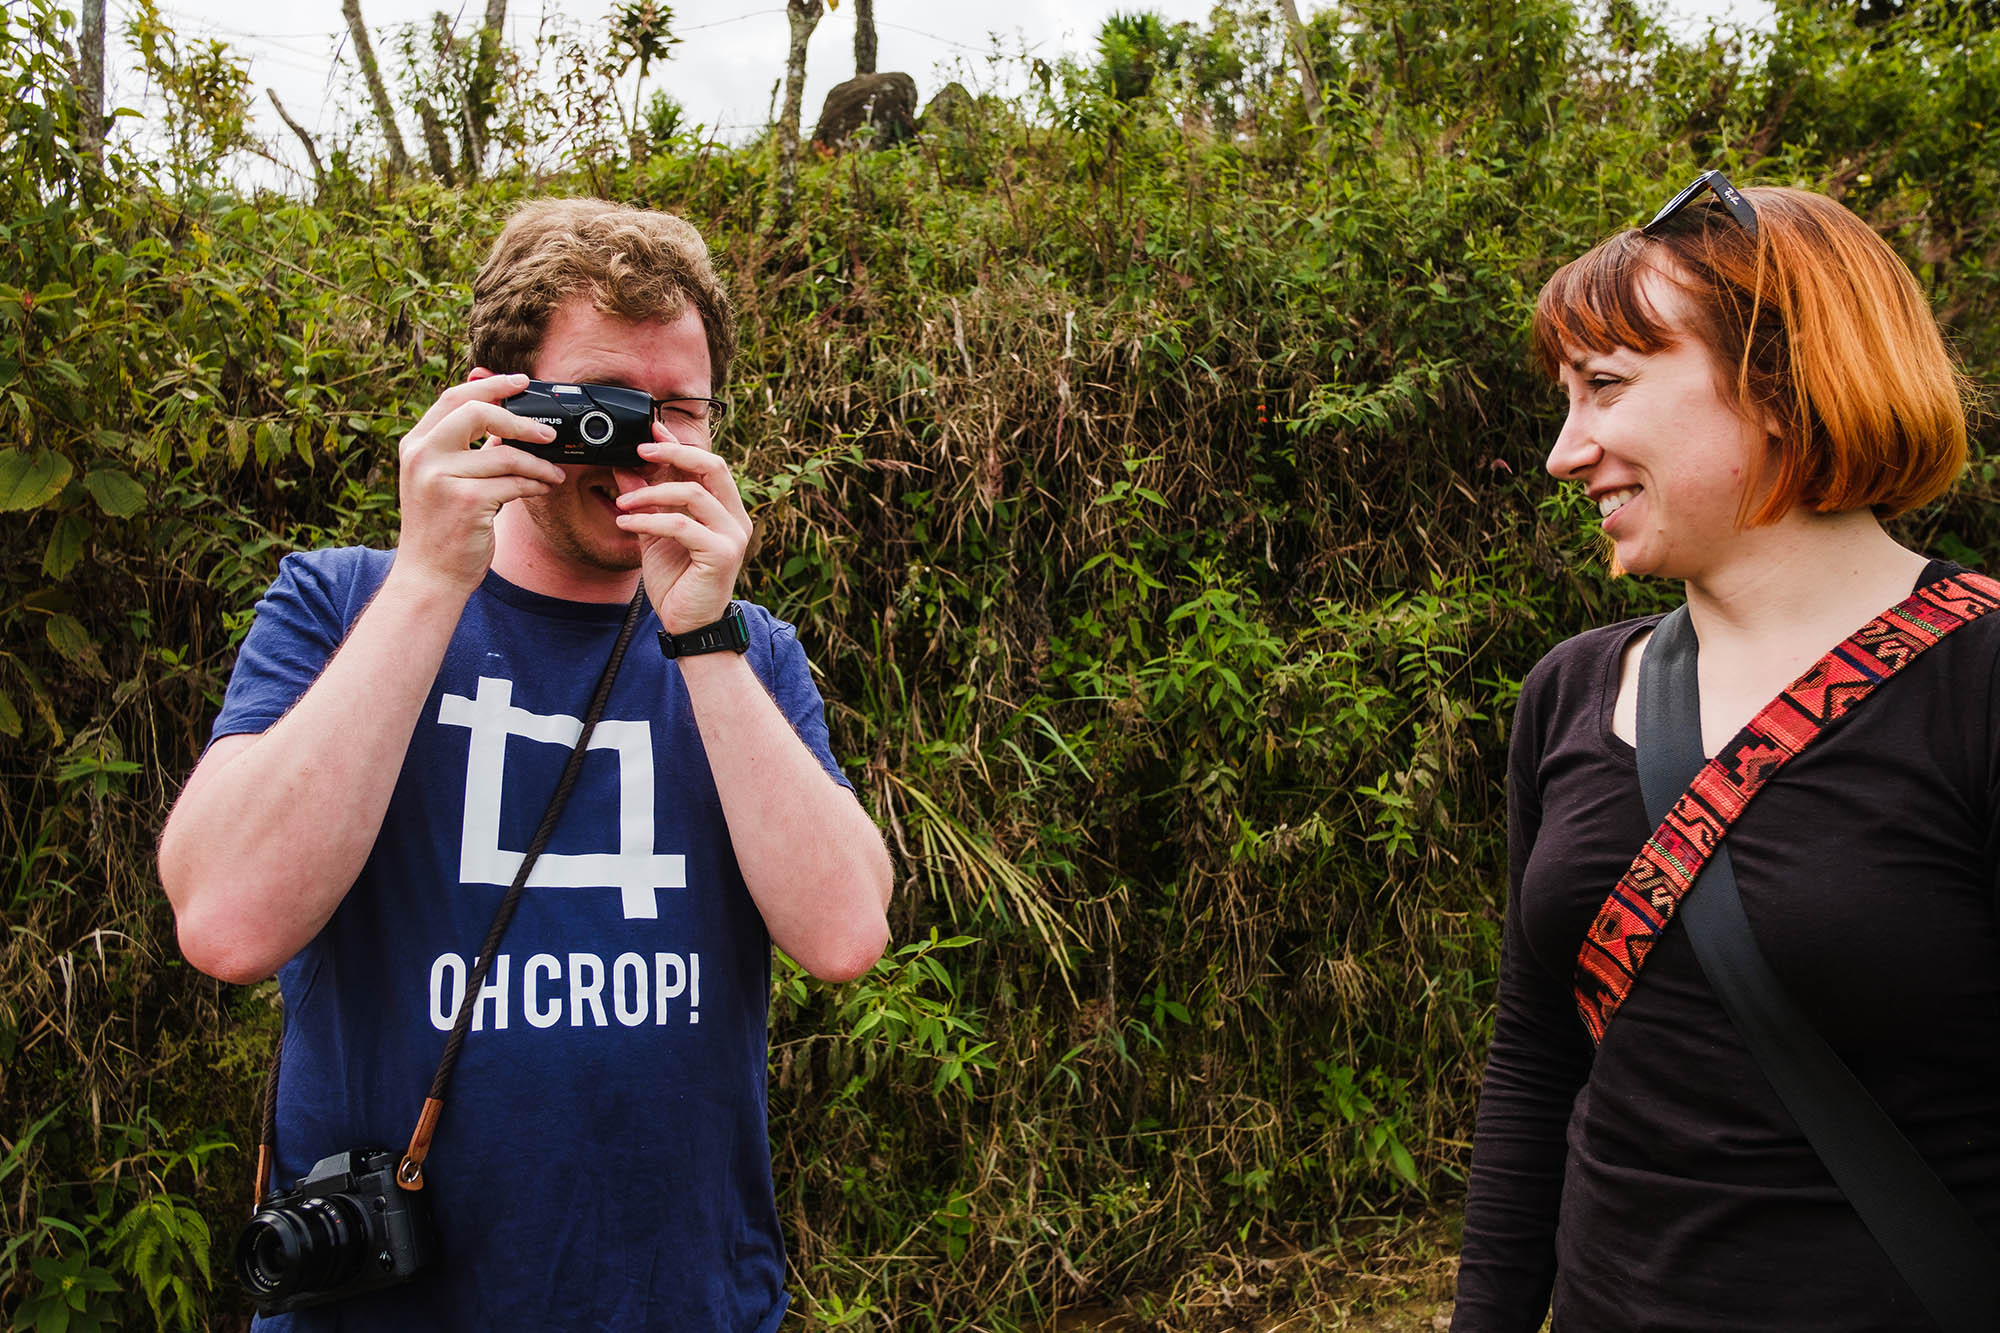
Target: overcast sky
731, 53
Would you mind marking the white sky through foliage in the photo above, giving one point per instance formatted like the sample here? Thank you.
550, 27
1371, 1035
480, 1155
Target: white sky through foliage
731, 54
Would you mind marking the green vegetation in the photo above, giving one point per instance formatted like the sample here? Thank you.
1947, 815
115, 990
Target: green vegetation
1155, 478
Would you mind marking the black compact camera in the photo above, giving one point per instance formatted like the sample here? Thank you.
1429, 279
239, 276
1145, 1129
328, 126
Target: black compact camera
601, 425
344, 1229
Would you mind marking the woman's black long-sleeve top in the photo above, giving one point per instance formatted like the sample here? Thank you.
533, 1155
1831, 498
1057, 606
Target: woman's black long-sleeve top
1658, 1183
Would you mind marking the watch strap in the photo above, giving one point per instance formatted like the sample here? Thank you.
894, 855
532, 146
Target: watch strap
729, 634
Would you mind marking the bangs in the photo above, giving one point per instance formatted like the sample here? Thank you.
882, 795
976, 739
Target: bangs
1593, 304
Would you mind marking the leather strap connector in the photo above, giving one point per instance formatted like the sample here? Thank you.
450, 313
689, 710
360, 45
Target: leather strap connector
410, 1173
263, 1181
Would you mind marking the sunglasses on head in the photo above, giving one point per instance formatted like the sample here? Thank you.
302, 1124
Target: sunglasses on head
1731, 197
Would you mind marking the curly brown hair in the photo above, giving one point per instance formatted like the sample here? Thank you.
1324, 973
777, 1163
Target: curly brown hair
632, 263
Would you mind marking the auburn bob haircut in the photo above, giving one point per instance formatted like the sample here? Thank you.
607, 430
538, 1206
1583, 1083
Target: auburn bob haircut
1823, 327
632, 263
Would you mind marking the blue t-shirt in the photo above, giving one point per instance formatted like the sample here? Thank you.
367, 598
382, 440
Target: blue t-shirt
602, 1161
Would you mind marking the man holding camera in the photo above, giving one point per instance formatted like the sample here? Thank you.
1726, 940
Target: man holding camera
390, 741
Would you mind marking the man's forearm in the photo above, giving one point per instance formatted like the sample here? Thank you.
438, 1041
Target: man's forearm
271, 830
812, 859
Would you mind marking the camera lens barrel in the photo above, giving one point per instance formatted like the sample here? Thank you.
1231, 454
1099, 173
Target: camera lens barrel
312, 1245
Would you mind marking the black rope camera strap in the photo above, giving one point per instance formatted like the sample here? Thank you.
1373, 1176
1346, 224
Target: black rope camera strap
410, 1172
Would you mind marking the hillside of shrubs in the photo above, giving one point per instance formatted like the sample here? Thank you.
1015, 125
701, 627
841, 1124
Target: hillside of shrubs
1152, 464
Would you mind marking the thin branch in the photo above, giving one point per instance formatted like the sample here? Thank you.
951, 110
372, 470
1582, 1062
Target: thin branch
312, 149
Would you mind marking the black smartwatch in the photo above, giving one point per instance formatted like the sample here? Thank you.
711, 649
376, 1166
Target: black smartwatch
728, 634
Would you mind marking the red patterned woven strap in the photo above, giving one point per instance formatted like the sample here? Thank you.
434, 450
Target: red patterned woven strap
1639, 908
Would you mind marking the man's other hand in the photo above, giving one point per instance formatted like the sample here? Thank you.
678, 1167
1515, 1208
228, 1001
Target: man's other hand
450, 491
692, 527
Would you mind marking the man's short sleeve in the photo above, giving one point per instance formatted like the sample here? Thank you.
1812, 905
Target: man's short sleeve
300, 621
791, 685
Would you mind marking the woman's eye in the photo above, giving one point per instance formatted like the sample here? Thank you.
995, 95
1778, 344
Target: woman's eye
1601, 381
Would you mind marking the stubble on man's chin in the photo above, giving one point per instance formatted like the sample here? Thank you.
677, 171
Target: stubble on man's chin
561, 537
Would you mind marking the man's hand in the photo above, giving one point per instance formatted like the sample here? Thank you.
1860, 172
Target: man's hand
692, 527
451, 491
811, 858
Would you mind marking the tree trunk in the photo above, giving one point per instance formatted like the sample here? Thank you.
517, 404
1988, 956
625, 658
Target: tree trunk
482, 97
90, 78
803, 15
461, 77
864, 37
371, 74
437, 144
1303, 50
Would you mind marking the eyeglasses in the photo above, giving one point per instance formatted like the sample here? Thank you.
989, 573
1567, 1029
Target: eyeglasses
1731, 197
701, 413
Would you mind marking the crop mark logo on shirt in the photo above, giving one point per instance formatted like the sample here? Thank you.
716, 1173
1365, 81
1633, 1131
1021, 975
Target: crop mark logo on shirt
635, 869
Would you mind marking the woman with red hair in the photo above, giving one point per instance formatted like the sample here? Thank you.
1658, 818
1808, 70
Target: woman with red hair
1755, 383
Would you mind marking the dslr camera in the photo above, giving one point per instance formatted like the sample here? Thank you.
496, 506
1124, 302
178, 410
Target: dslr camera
344, 1229
601, 425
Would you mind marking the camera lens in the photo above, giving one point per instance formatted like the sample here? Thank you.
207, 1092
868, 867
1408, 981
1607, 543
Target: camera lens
595, 427
312, 1245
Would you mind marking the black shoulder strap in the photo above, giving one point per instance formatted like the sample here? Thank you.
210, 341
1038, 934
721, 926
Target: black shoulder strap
1934, 1243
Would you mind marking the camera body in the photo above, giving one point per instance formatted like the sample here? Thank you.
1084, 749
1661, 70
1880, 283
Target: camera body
598, 425
345, 1228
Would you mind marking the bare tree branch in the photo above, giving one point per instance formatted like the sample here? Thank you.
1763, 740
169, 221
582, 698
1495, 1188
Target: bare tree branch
312, 149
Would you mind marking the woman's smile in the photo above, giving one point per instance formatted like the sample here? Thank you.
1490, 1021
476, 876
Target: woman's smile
1611, 502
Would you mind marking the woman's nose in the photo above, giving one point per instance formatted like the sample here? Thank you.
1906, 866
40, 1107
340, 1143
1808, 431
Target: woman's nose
1573, 450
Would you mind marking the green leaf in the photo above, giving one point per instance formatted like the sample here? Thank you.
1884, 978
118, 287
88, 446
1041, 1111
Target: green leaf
1403, 1164
10, 720
18, 1154
54, 1317
38, 698
31, 480
116, 493
65, 545
68, 637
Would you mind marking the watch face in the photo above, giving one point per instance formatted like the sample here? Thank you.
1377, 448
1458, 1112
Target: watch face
737, 629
